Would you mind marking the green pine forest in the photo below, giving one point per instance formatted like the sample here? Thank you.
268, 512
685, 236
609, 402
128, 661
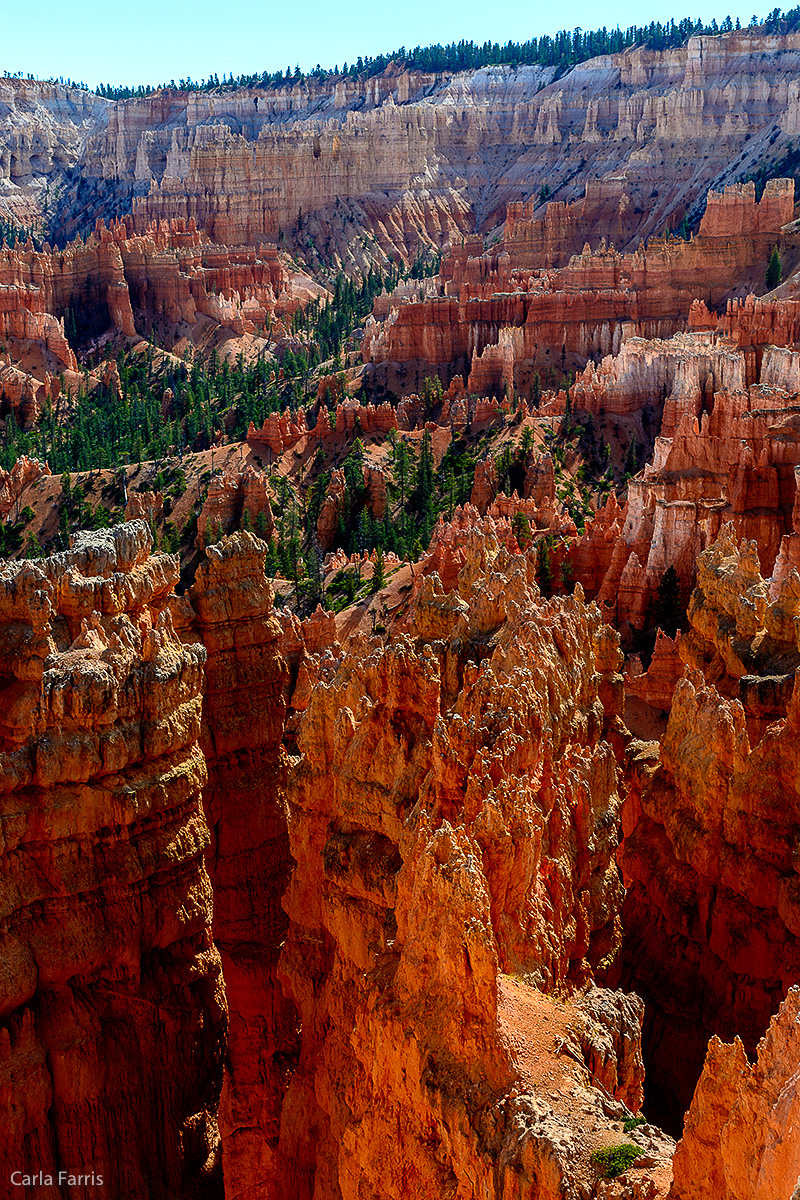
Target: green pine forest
563, 51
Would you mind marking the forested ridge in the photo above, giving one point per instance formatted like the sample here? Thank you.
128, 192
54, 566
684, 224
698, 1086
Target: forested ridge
564, 50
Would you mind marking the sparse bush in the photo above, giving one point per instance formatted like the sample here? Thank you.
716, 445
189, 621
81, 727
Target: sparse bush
614, 1160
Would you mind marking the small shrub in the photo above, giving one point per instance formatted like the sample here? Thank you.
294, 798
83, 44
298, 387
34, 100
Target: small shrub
613, 1160
633, 1123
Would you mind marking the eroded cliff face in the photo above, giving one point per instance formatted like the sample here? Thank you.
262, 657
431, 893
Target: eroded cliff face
413, 156
249, 164
727, 454
710, 827
229, 609
42, 132
114, 1016
742, 1137
451, 818
503, 315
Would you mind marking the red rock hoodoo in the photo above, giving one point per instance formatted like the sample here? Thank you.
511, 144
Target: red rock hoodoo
450, 817
114, 1016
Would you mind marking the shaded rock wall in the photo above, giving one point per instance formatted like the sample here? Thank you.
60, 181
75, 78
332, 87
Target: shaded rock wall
229, 609
114, 1017
710, 827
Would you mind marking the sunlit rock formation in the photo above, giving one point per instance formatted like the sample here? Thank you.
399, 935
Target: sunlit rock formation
114, 1017
450, 817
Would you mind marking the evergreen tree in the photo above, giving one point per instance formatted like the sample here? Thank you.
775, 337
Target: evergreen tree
774, 269
544, 568
521, 528
669, 608
378, 572
631, 457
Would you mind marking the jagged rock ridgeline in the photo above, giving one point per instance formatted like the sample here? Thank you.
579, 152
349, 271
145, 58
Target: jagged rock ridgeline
304, 159
449, 817
503, 316
114, 1016
741, 1132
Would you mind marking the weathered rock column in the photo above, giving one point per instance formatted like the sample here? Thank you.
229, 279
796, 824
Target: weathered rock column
113, 1017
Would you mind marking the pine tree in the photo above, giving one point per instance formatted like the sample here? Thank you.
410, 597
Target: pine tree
378, 572
631, 457
544, 569
521, 528
669, 608
774, 269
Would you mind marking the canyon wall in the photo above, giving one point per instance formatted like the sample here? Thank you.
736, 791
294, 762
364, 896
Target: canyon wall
318, 147
710, 826
451, 818
114, 1018
728, 453
411, 156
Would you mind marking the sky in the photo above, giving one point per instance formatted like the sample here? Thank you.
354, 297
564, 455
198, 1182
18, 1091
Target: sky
155, 41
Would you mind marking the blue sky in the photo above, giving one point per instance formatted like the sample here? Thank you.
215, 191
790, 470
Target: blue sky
151, 41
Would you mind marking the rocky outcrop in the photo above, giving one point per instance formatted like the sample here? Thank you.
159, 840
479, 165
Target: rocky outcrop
240, 494
144, 506
710, 826
672, 378
507, 319
547, 235
331, 510
450, 817
656, 685
311, 650
229, 609
14, 483
114, 1017
731, 457
742, 1136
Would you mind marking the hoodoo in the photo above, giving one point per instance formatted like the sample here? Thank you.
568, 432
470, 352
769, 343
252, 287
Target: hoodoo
400, 623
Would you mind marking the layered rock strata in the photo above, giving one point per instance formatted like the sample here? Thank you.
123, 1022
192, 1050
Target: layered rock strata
114, 1017
501, 318
731, 457
412, 156
229, 610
